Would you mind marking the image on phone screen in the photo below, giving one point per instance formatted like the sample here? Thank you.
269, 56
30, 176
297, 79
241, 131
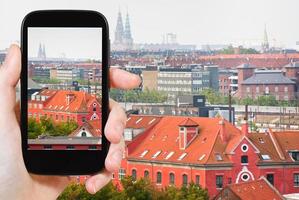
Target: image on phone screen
64, 88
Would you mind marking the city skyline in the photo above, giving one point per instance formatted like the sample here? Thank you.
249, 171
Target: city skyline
207, 22
76, 43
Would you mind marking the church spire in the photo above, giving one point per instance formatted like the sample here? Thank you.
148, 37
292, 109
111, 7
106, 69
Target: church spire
265, 44
127, 33
119, 30
40, 51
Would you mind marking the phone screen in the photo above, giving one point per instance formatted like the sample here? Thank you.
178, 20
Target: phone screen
64, 88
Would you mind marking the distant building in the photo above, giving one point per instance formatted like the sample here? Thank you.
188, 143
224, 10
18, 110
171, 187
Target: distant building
150, 78
41, 52
123, 38
66, 74
265, 82
225, 81
259, 189
210, 152
187, 80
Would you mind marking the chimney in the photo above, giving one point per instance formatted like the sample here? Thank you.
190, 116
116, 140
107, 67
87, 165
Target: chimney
188, 130
222, 132
244, 122
69, 98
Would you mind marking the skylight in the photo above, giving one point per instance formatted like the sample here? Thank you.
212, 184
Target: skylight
202, 157
152, 121
261, 140
143, 153
156, 154
139, 120
169, 155
218, 157
128, 118
182, 156
265, 157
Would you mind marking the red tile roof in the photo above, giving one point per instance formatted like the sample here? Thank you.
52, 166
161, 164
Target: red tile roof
188, 122
142, 121
58, 101
93, 126
163, 137
259, 189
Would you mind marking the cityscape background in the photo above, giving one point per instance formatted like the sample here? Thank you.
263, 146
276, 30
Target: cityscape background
196, 22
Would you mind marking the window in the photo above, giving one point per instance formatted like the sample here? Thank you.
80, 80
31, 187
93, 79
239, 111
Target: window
245, 177
219, 181
70, 147
229, 180
286, 89
62, 117
265, 157
83, 134
159, 178
182, 156
270, 178
134, 174
143, 153
156, 154
146, 174
218, 157
244, 148
171, 178
267, 90
244, 159
169, 155
197, 179
48, 147
185, 180
257, 89
94, 109
276, 89
92, 147
121, 173
56, 117
296, 180
68, 118
83, 119
294, 155
248, 89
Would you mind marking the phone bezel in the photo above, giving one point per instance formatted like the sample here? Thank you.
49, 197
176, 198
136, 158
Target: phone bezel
64, 162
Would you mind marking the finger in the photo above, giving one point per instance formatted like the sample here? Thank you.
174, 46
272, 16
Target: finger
115, 155
96, 182
9, 76
116, 123
123, 80
11, 68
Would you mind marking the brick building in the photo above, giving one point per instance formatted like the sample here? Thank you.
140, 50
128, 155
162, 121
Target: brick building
210, 152
265, 82
64, 105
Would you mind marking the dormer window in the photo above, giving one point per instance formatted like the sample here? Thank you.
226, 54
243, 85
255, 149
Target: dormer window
294, 155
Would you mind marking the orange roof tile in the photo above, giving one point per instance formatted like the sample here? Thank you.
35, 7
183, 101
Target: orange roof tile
164, 137
188, 122
259, 189
78, 101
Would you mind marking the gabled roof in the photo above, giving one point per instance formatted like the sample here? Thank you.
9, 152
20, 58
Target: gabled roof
267, 77
259, 189
163, 138
276, 144
188, 122
93, 126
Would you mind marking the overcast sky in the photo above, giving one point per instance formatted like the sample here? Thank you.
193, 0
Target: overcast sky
194, 21
77, 43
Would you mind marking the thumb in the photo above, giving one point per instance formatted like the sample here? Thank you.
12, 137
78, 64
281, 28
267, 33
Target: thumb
9, 76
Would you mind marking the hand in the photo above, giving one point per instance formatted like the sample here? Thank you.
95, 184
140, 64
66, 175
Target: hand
15, 181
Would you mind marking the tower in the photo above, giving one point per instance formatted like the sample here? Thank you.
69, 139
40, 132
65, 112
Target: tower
119, 30
40, 51
44, 52
265, 44
128, 40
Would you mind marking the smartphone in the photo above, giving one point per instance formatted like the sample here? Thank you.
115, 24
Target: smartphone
64, 91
